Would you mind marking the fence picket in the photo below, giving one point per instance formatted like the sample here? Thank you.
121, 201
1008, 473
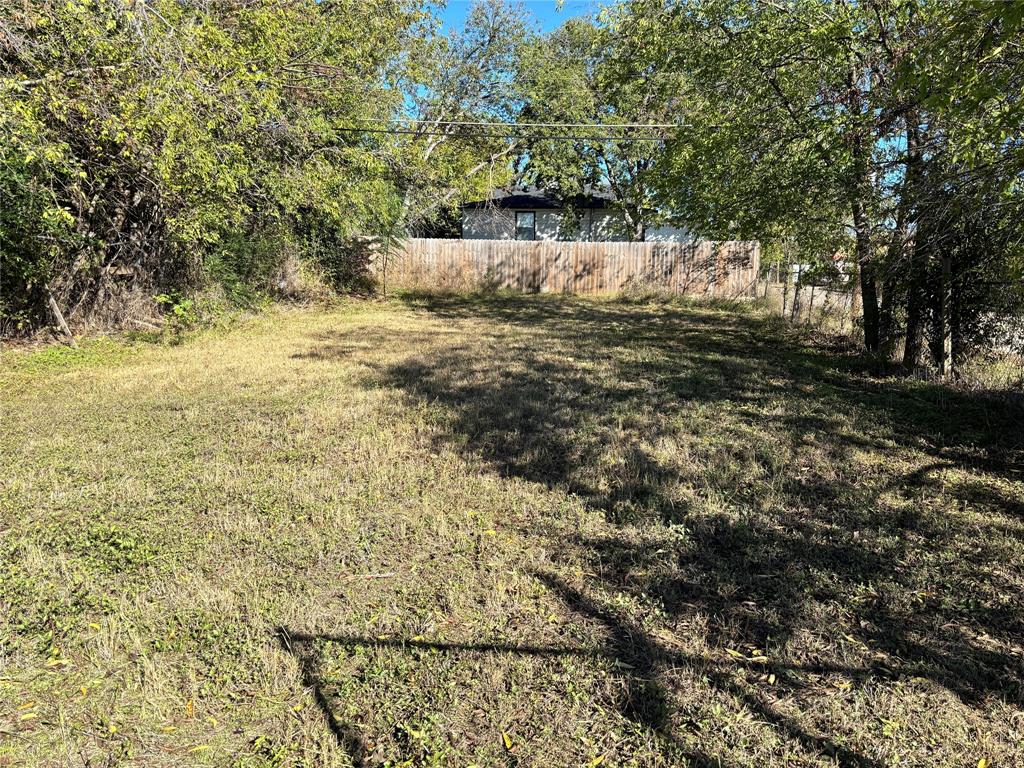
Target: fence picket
720, 269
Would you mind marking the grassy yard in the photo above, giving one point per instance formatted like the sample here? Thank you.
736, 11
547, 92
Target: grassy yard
508, 532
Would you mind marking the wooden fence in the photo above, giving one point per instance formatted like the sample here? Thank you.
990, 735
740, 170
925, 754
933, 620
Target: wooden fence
728, 269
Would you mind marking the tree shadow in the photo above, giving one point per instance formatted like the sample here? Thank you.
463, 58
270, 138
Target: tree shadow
644, 657
621, 406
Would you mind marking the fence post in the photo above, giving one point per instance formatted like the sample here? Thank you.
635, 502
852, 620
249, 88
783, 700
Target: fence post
796, 292
785, 287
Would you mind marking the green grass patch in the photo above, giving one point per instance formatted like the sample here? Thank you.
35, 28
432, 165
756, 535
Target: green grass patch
97, 351
505, 531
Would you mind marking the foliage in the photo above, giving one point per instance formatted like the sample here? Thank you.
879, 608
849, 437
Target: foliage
150, 145
877, 129
160, 146
451, 82
181, 311
586, 73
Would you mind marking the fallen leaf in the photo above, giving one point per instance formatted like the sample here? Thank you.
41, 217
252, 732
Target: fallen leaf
190, 708
507, 740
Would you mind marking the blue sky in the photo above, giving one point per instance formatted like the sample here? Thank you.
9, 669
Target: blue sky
546, 12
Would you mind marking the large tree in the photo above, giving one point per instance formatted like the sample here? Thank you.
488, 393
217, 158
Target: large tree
454, 86
810, 121
584, 74
160, 147
154, 146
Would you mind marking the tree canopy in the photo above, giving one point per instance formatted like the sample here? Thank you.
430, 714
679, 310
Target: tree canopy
159, 147
887, 131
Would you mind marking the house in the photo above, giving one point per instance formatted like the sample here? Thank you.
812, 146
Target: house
530, 214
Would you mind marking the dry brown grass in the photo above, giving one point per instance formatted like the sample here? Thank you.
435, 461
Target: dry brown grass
513, 532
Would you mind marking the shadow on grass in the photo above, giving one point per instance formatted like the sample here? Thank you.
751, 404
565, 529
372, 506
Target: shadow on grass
646, 700
638, 657
303, 649
719, 422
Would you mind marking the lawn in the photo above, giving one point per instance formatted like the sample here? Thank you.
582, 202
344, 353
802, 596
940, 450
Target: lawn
530, 531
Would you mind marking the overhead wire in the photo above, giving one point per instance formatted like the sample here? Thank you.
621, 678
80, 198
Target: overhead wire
497, 124
501, 130
497, 134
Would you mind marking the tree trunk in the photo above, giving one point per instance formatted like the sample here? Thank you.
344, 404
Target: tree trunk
958, 351
919, 254
890, 283
796, 293
854, 295
861, 148
785, 287
944, 340
862, 233
886, 320
634, 224
868, 283
915, 307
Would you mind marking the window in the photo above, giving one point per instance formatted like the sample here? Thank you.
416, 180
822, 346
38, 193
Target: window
526, 225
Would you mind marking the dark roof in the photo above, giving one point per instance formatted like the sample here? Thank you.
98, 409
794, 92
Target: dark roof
534, 198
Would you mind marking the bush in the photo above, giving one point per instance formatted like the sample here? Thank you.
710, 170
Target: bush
181, 149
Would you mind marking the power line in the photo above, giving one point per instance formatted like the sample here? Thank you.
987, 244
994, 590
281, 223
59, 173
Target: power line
494, 124
497, 135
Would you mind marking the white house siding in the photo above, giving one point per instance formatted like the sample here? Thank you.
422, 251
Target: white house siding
548, 223
603, 224
600, 224
488, 224
667, 235
500, 224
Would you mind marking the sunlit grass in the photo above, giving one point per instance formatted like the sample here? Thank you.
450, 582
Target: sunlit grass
504, 531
